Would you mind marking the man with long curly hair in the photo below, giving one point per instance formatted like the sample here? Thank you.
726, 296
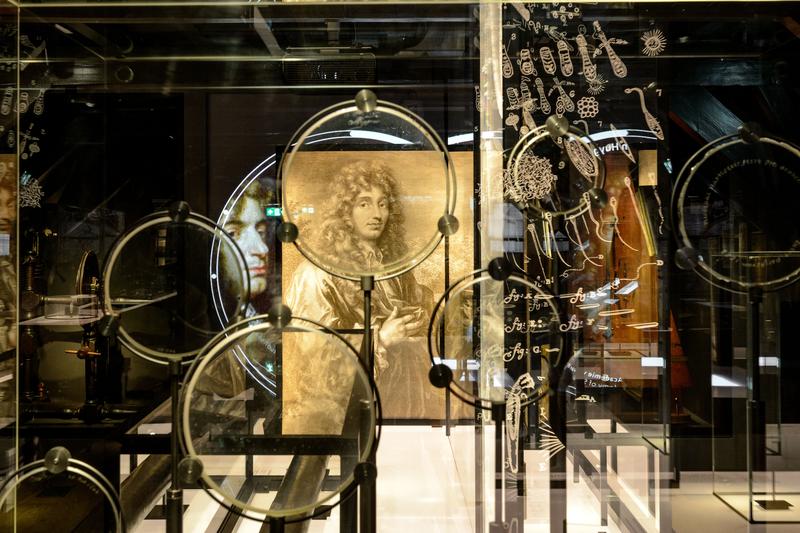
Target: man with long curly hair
362, 228
246, 222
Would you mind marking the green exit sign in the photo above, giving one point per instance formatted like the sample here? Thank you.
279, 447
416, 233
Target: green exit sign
273, 211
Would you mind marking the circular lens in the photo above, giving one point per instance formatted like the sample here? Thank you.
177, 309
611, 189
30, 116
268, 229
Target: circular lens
173, 286
734, 202
366, 188
296, 399
553, 173
498, 337
77, 498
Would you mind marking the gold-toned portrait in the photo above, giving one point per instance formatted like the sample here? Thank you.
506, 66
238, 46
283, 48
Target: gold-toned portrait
364, 210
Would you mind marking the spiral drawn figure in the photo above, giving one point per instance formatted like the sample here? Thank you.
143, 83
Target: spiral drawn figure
531, 179
588, 107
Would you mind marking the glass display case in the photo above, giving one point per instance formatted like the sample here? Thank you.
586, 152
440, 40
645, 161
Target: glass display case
388, 265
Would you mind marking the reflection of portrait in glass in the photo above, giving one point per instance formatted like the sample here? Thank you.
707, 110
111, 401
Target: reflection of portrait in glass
362, 223
248, 225
244, 219
8, 207
8, 281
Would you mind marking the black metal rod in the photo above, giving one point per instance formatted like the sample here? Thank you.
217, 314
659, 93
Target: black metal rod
367, 498
367, 284
499, 414
276, 525
367, 507
447, 408
348, 515
603, 485
174, 493
136, 492
479, 478
755, 405
753, 342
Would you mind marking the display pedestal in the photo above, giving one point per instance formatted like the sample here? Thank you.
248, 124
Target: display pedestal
755, 485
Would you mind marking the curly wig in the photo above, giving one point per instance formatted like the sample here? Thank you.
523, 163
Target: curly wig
336, 234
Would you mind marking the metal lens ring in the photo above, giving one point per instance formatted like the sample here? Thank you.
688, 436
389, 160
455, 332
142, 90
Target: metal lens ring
493, 335
221, 247
530, 179
305, 411
348, 126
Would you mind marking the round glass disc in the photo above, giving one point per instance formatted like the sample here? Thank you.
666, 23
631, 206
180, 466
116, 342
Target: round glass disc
296, 399
366, 189
76, 498
735, 203
552, 175
497, 337
174, 286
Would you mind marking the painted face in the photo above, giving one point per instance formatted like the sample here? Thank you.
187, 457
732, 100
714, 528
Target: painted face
249, 230
7, 210
370, 213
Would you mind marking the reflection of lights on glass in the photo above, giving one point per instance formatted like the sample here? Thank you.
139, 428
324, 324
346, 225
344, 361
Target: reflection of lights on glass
377, 136
629, 288
631, 132
643, 325
460, 139
498, 380
616, 312
472, 364
769, 361
722, 381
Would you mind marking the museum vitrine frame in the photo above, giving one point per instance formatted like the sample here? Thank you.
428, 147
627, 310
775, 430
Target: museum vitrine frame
637, 378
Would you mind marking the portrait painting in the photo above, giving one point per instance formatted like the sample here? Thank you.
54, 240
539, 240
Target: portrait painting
376, 211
